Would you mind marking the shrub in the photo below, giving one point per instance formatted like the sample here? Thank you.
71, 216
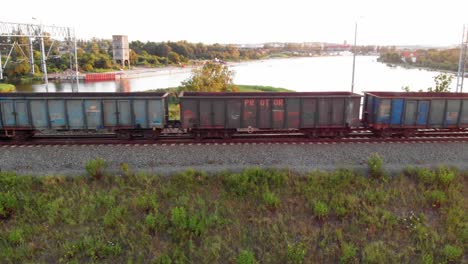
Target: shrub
375, 166
155, 222
147, 203
452, 253
114, 216
16, 236
445, 176
348, 253
8, 205
187, 179
184, 224
163, 259
377, 252
125, 169
426, 176
436, 198
427, 258
321, 210
296, 253
96, 168
252, 180
246, 257
271, 200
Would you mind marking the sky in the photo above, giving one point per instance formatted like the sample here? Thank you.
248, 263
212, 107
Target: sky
395, 22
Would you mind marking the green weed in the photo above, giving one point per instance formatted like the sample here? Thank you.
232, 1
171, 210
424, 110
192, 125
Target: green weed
8, 205
445, 176
321, 210
114, 216
375, 166
147, 203
436, 198
377, 252
452, 253
296, 253
96, 168
16, 236
246, 257
348, 253
271, 200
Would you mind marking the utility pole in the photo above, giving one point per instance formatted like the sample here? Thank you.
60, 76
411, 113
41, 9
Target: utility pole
461, 62
76, 62
43, 60
1, 67
31, 56
354, 57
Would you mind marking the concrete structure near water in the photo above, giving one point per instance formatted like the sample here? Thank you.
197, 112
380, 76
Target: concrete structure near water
121, 50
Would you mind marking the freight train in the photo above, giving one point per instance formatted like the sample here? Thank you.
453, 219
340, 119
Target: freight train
224, 115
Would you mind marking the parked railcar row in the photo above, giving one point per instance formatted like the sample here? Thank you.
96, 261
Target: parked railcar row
203, 115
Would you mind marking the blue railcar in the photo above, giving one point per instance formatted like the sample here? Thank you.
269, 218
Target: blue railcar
125, 113
403, 113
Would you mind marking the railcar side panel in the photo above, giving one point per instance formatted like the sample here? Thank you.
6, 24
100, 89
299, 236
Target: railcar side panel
423, 113
452, 112
219, 113
124, 114
141, 113
337, 113
8, 116
277, 113
464, 114
206, 113
155, 113
309, 113
397, 112
410, 112
93, 114
110, 113
75, 114
264, 113
249, 113
56, 109
22, 114
436, 113
189, 113
38, 113
234, 113
352, 106
293, 115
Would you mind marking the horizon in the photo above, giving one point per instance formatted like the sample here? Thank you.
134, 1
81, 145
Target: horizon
400, 23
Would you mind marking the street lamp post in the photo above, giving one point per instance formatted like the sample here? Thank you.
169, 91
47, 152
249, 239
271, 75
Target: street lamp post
354, 56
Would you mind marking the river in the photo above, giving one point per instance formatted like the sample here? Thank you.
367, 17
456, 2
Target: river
332, 73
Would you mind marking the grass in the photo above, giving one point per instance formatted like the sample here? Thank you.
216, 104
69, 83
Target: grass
255, 216
5, 88
259, 88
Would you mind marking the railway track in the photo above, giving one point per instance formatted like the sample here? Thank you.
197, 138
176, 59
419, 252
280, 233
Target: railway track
360, 137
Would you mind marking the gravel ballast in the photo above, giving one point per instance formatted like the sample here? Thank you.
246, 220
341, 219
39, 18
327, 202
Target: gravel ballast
67, 160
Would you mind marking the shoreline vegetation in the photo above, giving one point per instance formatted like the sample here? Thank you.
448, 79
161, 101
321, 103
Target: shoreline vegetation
6, 88
255, 216
433, 60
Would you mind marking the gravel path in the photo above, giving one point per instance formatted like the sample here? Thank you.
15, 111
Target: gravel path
46, 160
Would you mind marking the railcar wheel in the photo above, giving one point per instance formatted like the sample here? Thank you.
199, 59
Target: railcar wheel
385, 133
124, 135
313, 134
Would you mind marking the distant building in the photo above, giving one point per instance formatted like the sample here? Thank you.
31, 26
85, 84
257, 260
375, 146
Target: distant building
406, 56
121, 50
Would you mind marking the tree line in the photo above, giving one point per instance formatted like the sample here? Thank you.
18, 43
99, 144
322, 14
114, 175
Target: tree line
446, 59
95, 55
